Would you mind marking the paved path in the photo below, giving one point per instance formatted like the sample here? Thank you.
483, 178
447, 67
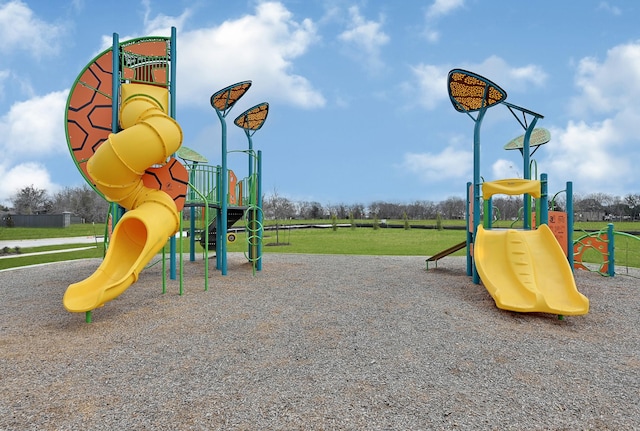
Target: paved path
24, 243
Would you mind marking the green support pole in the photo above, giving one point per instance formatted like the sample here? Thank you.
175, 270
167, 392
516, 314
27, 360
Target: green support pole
259, 215
486, 217
164, 271
172, 114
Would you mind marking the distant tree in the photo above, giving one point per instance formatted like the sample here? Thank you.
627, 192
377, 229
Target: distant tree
508, 207
633, 202
357, 211
452, 208
82, 201
31, 200
310, 210
341, 211
407, 225
278, 208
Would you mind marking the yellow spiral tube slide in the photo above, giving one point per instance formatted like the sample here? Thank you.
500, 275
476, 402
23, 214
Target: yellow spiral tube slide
148, 138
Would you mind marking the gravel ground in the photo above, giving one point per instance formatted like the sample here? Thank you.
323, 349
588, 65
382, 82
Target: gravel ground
314, 342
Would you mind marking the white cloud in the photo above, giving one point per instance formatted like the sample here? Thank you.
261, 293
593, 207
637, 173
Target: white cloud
443, 7
449, 164
511, 78
23, 175
431, 83
605, 6
34, 128
21, 30
259, 47
4, 74
502, 168
366, 36
591, 155
600, 151
438, 9
612, 85
161, 24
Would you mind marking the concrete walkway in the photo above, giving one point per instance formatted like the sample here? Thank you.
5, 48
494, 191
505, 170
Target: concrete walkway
42, 242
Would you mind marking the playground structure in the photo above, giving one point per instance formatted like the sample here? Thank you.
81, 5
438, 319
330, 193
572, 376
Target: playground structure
524, 270
123, 138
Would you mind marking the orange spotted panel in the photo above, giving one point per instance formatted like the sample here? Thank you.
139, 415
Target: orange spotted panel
172, 178
89, 112
89, 109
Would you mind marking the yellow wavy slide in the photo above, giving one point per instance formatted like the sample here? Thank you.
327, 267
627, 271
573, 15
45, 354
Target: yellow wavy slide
527, 271
148, 138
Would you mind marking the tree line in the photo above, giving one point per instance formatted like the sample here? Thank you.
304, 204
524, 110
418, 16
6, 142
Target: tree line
82, 201
591, 207
85, 202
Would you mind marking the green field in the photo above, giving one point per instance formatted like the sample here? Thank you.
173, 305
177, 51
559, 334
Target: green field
343, 240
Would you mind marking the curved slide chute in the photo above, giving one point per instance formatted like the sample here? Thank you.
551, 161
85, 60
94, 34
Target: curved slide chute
148, 138
527, 271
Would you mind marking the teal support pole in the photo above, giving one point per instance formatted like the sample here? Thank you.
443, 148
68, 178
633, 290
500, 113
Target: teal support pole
611, 250
252, 213
476, 181
469, 235
543, 207
221, 232
569, 209
218, 220
527, 172
115, 82
259, 212
115, 210
172, 114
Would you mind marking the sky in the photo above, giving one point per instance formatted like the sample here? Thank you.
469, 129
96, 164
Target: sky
358, 103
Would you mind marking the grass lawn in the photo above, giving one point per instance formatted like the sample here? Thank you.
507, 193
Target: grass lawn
344, 240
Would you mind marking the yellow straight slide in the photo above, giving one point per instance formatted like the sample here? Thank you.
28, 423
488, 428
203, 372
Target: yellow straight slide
527, 271
148, 138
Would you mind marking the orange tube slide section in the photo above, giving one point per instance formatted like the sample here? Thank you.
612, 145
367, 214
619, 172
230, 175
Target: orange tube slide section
148, 138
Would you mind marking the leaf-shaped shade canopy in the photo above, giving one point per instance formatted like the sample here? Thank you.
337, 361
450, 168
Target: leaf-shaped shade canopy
190, 155
471, 92
224, 99
539, 136
253, 118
